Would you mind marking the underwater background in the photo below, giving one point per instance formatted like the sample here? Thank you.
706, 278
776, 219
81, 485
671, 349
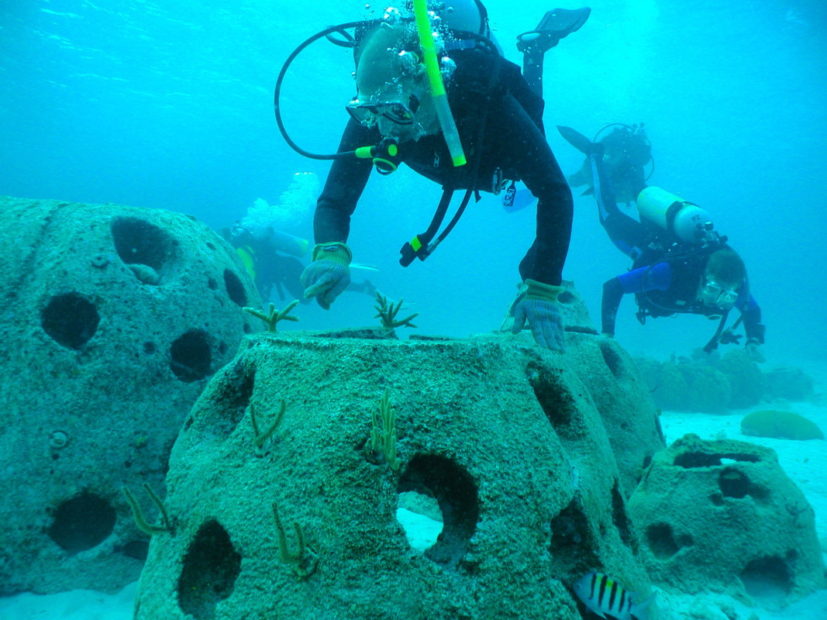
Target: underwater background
169, 104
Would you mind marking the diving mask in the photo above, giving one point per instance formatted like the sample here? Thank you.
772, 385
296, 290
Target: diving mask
714, 294
398, 113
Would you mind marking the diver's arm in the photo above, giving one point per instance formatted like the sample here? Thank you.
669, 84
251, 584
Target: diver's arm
344, 185
529, 154
626, 233
612, 295
554, 217
751, 315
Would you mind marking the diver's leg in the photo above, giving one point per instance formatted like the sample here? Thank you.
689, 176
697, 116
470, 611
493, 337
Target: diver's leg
626, 233
555, 25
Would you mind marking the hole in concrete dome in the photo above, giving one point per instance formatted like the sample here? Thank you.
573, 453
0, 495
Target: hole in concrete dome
234, 389
138, 242
566, 297
733, 483
235, 289
190, 356
612, 359
555, 400
456, 495
572, 544
621, 519
82, 522
768, 580
704, 459
661, 540
421, 518
210, 569
70, 319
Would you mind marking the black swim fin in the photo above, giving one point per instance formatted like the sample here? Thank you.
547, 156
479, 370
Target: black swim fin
555, 25
578, 140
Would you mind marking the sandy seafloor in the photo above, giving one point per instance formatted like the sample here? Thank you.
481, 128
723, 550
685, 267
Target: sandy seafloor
805, 462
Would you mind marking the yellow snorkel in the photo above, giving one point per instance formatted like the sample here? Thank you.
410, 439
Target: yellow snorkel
437, 87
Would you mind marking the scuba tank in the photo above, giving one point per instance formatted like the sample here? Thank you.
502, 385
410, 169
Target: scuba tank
290, 244
685, 220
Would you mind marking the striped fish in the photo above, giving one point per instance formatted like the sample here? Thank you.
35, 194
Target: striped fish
604, 595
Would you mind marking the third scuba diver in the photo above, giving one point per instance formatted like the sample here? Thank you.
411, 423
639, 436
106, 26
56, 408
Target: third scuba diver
680, 263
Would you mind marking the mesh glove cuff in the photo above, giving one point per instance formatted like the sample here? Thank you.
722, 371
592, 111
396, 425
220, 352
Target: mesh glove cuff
538, 305
335, 251
328, 274
540, 290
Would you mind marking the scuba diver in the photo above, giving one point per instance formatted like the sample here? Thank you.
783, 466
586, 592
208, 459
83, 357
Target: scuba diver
271, 259
429, 114
681, 265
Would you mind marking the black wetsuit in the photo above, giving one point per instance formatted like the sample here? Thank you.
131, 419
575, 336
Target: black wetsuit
512, 140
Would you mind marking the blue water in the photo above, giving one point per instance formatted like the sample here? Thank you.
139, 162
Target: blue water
168, 104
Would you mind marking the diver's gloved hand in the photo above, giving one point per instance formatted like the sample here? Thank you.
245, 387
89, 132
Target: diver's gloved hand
537, 304
328, 274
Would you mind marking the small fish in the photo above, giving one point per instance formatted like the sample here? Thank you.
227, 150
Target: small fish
603, 595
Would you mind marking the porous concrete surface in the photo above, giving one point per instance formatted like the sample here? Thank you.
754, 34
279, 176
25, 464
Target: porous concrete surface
507, 438
722, 516
113, 320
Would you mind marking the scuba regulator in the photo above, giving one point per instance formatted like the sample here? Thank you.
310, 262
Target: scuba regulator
385, 154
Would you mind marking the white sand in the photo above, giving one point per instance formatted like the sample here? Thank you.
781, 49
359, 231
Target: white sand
74, 605
805, 462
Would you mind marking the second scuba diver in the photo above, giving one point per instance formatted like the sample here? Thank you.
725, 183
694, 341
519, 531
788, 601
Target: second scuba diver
681, 265
271, 259
498, 123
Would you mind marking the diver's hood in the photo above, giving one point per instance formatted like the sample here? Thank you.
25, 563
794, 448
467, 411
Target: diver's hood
386, 57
